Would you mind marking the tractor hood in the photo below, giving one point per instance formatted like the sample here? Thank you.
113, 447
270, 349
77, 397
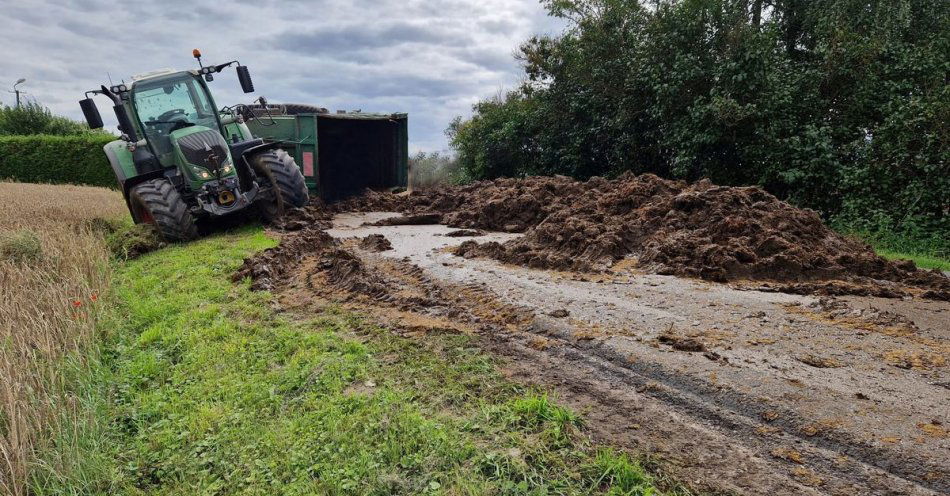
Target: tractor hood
204, 151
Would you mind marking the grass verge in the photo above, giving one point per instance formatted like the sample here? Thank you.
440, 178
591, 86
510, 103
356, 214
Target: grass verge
922, 261
927, 251
213, 391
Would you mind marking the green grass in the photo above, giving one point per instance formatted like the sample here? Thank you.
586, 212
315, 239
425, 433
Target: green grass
205, 388
928, 250
922, 261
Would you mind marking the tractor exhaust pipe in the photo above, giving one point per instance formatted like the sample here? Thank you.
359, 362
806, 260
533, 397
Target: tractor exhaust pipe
125, 122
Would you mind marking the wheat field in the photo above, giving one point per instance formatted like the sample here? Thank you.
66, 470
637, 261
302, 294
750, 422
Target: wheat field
54, 274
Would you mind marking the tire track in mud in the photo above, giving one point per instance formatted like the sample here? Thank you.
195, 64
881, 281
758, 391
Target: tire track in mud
724, 409
733, 413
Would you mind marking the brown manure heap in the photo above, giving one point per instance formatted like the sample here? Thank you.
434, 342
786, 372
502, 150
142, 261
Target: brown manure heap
716, 233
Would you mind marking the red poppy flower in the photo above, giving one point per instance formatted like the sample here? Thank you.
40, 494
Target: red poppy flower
77, 303
93, 297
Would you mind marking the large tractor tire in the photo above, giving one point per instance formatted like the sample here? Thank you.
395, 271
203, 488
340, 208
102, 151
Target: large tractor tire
158, 203
302, 108
277, 168
274, 109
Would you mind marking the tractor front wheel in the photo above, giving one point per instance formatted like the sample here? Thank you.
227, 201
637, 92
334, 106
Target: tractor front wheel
157, 202
278, 170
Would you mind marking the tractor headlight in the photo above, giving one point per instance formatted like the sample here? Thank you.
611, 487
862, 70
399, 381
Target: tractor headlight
226, 169
201, 172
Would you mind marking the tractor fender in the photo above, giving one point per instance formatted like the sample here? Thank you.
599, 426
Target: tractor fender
250, 151
123, 166
260, 148
240, 153
113, 150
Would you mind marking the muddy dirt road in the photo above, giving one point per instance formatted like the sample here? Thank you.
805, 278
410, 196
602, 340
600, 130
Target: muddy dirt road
736, 390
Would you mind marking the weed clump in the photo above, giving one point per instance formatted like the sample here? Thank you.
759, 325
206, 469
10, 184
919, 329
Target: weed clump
103, 226
133, 241
21, 246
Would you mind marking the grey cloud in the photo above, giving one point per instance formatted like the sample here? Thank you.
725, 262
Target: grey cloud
358, 38
498, 25
81, 28
492, 60
431, 58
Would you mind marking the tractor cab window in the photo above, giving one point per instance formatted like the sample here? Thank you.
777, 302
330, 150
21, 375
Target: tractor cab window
166, 106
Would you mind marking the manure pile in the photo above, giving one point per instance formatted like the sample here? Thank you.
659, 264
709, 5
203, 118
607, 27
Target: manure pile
701, 230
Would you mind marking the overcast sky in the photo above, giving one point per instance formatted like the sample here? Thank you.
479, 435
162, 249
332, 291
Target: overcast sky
431, 58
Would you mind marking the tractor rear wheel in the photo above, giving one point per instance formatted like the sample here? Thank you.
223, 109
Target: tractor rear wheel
293, 186
279, 170
157, 202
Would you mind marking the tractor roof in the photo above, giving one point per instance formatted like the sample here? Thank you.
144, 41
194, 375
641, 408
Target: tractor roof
154, 74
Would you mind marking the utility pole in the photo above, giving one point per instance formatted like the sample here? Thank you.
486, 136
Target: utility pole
16, 91
757, 13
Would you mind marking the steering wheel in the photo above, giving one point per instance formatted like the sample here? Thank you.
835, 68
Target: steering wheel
177, 118
171, 114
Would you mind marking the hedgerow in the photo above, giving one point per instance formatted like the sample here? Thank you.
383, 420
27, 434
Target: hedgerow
75, 159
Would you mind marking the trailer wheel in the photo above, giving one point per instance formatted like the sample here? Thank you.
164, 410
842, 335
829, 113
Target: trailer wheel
157, 202
278, 169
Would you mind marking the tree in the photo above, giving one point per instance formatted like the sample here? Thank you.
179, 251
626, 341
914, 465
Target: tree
839, 105
33, 118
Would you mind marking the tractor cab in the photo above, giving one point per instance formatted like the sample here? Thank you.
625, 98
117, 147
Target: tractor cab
163, 105
177, 126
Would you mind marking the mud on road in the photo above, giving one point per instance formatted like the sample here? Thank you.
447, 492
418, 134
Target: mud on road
753, 385
715, 233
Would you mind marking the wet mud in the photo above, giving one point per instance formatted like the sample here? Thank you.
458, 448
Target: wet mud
752, 387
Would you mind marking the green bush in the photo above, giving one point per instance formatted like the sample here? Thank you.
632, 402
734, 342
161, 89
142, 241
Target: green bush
33, 118
75, 159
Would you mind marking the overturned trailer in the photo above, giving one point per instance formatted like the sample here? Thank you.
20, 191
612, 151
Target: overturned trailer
340, 154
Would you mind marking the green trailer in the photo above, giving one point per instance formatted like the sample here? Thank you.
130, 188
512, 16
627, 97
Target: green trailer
340, 154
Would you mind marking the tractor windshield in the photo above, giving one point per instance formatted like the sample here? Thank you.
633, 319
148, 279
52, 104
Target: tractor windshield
166, 105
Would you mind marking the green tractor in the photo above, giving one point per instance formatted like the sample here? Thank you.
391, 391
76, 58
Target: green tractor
180, 161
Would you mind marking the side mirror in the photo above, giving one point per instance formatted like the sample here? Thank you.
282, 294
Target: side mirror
91, 112
245, 77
